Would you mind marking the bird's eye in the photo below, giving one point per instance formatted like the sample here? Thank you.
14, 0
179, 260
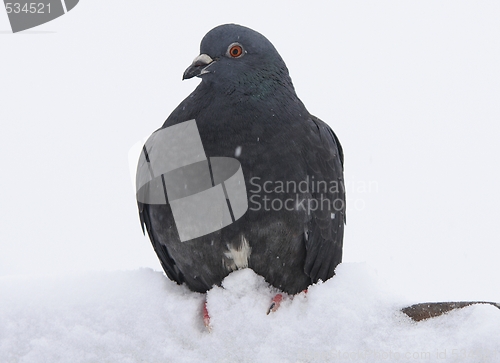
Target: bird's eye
235, 50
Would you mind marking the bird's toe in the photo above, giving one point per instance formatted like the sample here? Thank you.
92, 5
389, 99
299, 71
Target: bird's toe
275, 303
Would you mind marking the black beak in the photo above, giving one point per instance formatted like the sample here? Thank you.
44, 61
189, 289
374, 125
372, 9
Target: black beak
198, 67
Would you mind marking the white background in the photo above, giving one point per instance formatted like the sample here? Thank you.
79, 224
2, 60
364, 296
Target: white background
412, 90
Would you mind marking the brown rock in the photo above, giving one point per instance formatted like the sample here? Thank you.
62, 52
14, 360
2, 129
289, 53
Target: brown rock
428, 310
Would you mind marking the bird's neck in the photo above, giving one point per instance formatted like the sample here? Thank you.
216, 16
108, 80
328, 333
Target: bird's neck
272, 88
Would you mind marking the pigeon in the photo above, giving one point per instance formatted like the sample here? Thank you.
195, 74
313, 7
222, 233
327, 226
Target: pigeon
246, 108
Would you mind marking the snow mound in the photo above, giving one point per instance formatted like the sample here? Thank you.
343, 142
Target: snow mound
141, 316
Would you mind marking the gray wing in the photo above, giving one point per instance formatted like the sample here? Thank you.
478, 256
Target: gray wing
325, 226
146, 214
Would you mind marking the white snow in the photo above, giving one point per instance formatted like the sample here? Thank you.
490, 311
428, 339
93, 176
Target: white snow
141, 316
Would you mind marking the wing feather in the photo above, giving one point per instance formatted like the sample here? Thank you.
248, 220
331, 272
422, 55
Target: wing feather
325, 227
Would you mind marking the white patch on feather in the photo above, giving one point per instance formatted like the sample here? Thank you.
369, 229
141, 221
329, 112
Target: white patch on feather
237, 152
237, 258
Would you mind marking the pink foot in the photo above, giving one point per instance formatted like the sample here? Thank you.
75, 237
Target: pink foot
206, 317
275, 303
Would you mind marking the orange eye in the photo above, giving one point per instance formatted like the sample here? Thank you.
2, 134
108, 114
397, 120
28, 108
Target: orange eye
235, 50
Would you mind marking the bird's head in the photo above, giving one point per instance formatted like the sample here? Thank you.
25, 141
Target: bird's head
234, 57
